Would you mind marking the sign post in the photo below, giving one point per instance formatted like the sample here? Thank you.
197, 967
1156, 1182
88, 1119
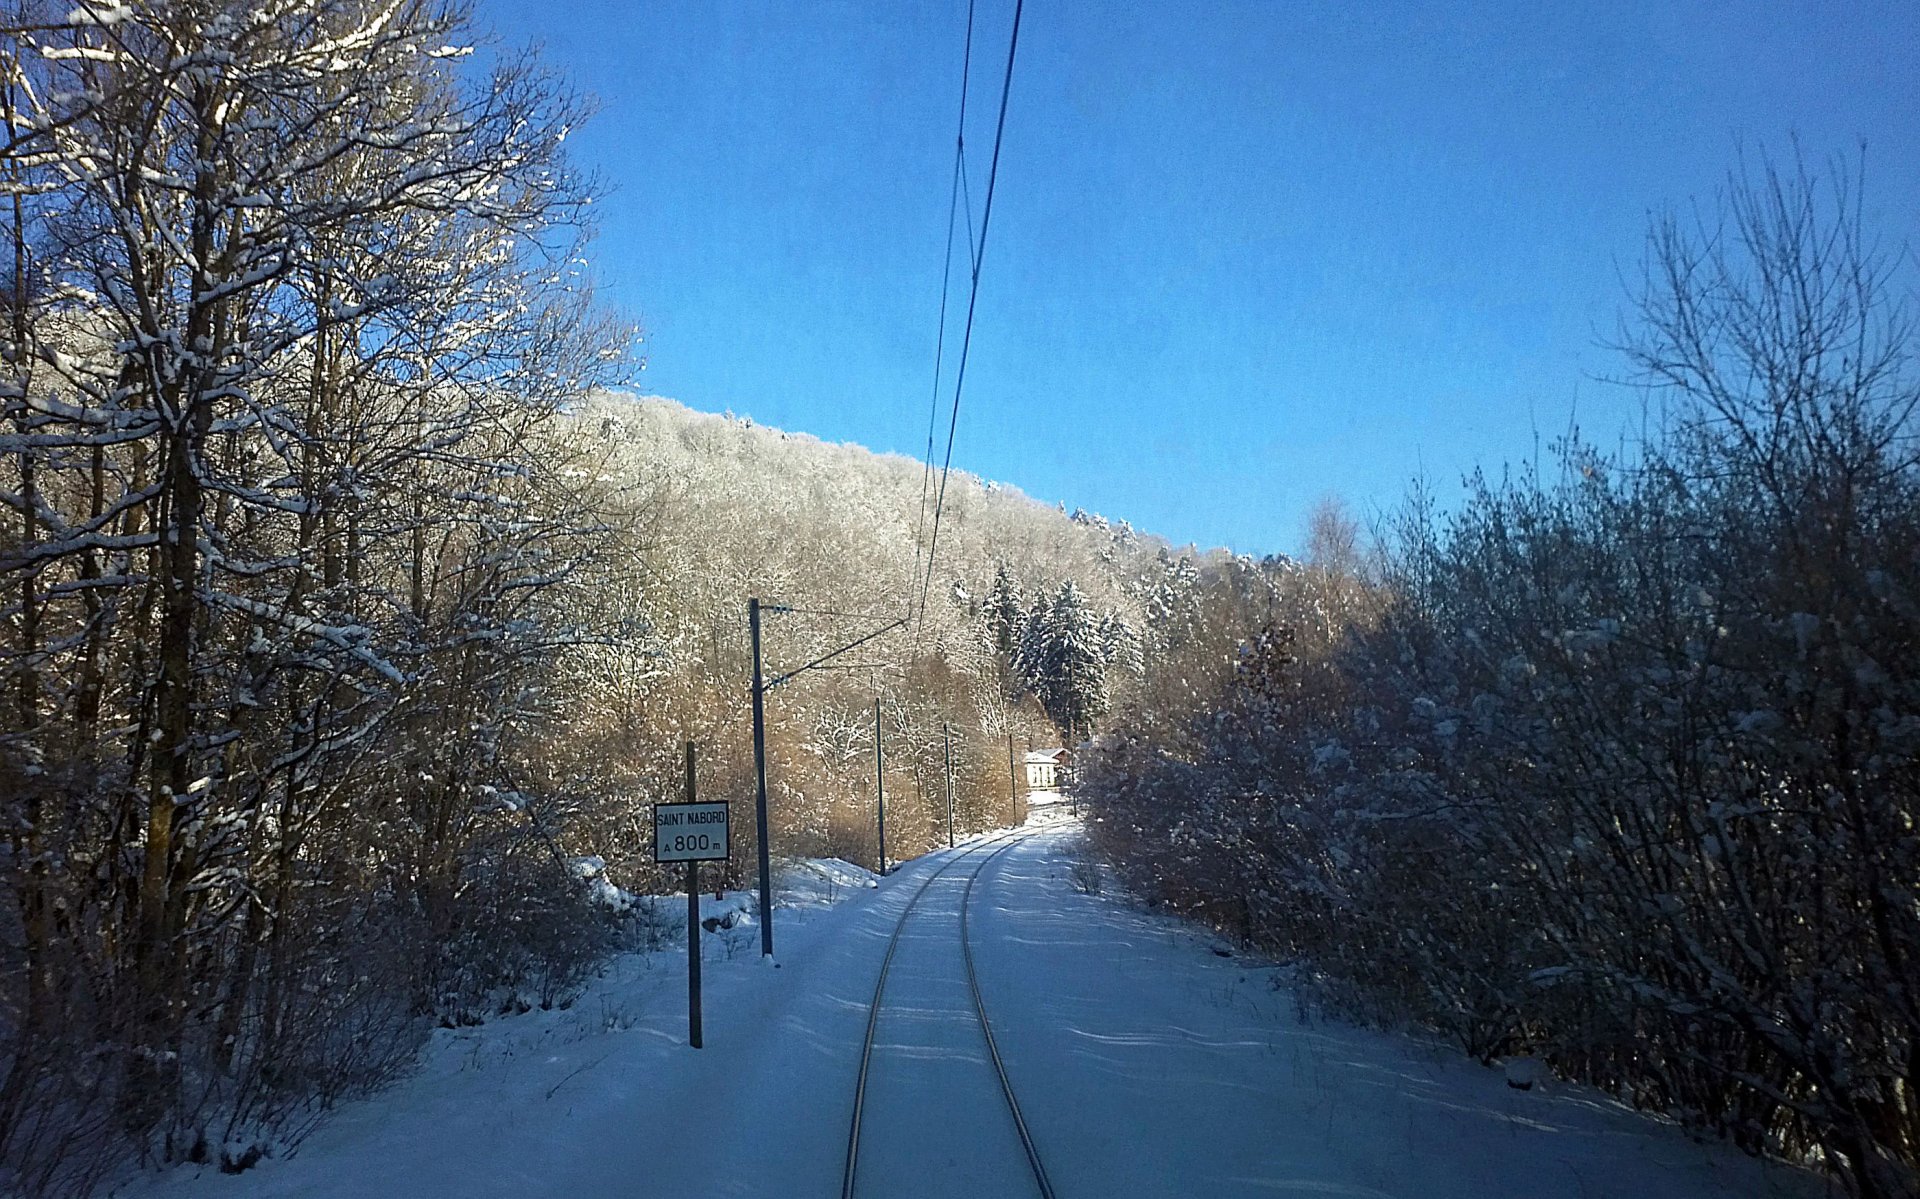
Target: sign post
692, 833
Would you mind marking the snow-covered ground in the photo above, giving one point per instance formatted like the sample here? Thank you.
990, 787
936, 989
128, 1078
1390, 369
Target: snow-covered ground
1146, 1065
1048, 805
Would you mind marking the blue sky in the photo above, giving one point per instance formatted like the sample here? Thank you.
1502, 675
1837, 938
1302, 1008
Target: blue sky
1243, 255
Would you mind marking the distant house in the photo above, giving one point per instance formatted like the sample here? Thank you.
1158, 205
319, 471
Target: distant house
1047, 769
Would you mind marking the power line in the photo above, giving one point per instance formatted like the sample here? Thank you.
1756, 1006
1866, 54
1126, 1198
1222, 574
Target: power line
946, 276
966, 213
973, 298
820, 662
788, 608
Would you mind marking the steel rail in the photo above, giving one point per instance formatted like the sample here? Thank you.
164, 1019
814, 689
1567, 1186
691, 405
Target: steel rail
986, 1026
879, 995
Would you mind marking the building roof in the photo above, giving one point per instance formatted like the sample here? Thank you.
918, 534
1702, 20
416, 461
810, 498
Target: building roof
1053, 757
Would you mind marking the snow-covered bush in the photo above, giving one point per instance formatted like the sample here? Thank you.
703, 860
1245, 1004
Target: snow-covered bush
1617, 767
527, 932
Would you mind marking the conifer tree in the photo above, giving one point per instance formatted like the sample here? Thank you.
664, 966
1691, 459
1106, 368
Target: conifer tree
1074, 676
1002, 612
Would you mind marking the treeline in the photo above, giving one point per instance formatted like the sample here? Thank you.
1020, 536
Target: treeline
290, 540
348, 627
1616, 765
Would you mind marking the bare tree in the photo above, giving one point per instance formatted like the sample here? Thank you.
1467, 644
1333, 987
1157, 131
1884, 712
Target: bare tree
306, 304
1617, 768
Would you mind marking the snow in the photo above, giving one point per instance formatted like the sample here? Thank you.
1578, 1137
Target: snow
99, 15
1146, 1063
819, 882
592, 869
1042, 805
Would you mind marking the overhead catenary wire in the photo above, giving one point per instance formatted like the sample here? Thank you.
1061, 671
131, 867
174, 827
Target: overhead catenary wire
946, 279
789, 608
818, 662
978, 257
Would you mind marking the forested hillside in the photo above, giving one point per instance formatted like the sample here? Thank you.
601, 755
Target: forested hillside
1036, 624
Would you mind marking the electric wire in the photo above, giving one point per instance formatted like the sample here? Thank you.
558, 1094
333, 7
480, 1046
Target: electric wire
946, 278
966, 216
973, 299
816, 664
788, 608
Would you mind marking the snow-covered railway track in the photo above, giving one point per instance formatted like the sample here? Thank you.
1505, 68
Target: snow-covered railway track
999, 845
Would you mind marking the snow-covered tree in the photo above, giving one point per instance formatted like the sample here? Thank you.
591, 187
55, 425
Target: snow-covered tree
1120, 645
1002, 611
285, 533
1072, 681
1611, 766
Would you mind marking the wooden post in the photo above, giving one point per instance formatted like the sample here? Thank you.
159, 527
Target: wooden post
880, 784
1013, 782
693, 954
760, 783
693, 930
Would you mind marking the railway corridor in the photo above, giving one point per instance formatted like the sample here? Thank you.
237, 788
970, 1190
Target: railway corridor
1145, 1059
935, 1112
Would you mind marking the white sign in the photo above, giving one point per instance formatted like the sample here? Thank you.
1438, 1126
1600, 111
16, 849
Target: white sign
690, 832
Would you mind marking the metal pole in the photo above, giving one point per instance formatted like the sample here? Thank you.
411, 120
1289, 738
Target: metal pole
760, 783
947, 732
693, 930
880, 783
1013, 782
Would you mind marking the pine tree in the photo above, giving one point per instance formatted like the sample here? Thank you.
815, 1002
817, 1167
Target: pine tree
1031, 650
1074, 683
1002, 612
1120, 645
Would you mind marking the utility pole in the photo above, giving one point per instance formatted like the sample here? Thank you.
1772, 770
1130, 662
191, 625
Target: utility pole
880, 783
762, 685
947, 732
760, 783
693, 929
1013, 782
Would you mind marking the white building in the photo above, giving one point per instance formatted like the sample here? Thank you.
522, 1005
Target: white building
1048, 769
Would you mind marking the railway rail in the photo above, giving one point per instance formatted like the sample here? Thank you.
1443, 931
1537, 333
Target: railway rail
999, 846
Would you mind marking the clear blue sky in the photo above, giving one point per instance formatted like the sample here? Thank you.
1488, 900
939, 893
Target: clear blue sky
1243, 254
